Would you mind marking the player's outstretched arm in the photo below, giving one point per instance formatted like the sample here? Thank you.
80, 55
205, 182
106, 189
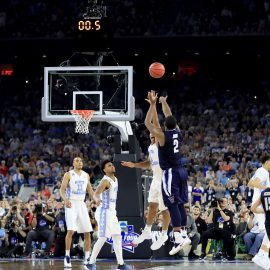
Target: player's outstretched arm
142, 165
63, 188
103, 185
165, 106
254, 207
157, 132
155, 120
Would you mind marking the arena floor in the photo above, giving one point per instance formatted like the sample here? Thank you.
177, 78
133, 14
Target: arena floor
135, 265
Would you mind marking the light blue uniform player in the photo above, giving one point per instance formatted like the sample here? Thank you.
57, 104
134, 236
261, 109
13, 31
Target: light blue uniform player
105, 197
73, 189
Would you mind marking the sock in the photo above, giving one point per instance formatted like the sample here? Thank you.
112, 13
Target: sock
177, 237
117, 244
263, 253
86, 255
184, 233
148, 227
164, 232
68, 253
96, 249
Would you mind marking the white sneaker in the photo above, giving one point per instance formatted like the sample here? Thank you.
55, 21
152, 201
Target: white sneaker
67, 262
262, 261
87, 261
181, 241
146, 234
159, 242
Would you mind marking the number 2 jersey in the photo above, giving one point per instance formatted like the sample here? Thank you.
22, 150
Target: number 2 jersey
169, 154
77, 185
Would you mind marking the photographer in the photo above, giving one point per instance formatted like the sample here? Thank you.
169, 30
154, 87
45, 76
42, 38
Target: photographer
221, 220
41, 224
16, 239
14, 212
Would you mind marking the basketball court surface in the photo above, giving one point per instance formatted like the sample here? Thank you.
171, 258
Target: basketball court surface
134, 264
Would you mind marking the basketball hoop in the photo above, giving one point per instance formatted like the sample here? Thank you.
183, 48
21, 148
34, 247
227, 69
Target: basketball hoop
82, 118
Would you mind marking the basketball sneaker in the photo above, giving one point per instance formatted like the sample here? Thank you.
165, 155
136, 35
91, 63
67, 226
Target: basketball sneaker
159, 242
87, 261
90, 266
202, 257
181, 240
262, 261
123, 267
67, 262
146, 234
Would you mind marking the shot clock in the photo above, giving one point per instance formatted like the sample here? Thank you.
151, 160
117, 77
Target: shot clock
89, 25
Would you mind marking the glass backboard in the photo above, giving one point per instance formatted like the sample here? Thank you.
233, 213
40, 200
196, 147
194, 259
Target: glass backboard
106, 89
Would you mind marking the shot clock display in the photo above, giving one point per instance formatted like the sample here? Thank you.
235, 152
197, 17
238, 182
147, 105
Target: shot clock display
93, 25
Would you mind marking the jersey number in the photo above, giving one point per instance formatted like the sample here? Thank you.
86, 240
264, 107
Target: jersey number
267, 203
176, 146
79, 188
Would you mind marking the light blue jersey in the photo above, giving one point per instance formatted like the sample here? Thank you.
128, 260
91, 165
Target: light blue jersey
77, 187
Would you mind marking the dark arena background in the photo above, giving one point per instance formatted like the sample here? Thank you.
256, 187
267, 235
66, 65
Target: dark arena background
217, 78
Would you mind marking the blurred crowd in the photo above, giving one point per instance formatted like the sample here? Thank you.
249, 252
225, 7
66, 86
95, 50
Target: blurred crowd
57, 19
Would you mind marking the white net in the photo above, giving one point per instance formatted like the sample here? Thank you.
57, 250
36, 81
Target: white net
82, 118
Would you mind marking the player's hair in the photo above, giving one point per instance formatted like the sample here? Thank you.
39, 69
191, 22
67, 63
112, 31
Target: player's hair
265, 158
170, 122
103, 164
77, 157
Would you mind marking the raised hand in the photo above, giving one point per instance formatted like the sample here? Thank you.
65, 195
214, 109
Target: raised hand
162, 99
152, 97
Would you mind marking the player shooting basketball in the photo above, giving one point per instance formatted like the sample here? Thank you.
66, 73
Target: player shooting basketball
174, 178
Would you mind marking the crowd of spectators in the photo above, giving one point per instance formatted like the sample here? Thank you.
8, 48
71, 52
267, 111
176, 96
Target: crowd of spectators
57, 19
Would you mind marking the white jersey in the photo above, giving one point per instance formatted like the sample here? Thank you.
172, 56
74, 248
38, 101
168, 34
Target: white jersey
154, 161
109, 196
77, 185
263, 175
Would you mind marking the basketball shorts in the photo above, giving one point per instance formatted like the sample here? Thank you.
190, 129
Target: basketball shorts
77, 217
155, 193
108, 223
174, 186
261, 216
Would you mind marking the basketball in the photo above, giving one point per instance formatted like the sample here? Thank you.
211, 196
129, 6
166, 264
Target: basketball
156, 70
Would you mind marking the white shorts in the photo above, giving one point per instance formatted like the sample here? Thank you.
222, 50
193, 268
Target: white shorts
108, 223
77, 217
155, 194
261, 216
